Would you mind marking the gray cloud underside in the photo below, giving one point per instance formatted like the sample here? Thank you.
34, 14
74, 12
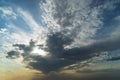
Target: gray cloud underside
61, 57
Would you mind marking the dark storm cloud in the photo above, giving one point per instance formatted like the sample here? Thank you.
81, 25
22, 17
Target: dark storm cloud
13, 54
70, 56
55, 43
26, 49
101, 46
47, 66
62, 57
114, 58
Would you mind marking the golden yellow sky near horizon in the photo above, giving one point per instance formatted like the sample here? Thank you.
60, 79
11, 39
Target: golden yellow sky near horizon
27, 74
16, 74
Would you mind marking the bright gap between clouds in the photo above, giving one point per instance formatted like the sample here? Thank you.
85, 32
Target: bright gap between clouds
38, 51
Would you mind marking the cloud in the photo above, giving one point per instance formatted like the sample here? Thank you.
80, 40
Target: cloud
60, 57
13, 54
27, 17
114, 58
14, 33
81, 23
105, 45
25, 50
8, 13
115, 32
37, 31
70, 37
3, 30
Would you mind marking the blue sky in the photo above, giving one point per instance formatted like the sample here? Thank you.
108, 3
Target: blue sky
48, 36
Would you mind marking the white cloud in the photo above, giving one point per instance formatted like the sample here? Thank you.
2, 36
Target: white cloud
75, 17
8, 13
38, 31
3, 30
27, 17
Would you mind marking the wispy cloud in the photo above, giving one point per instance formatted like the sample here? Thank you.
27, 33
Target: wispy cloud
8, 13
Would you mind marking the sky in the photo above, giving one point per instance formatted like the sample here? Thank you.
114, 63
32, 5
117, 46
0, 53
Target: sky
59, 39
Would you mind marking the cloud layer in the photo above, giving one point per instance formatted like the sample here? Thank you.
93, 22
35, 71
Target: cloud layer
71, 35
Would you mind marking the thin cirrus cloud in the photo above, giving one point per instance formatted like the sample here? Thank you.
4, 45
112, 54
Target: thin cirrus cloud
14, 31
70, 36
